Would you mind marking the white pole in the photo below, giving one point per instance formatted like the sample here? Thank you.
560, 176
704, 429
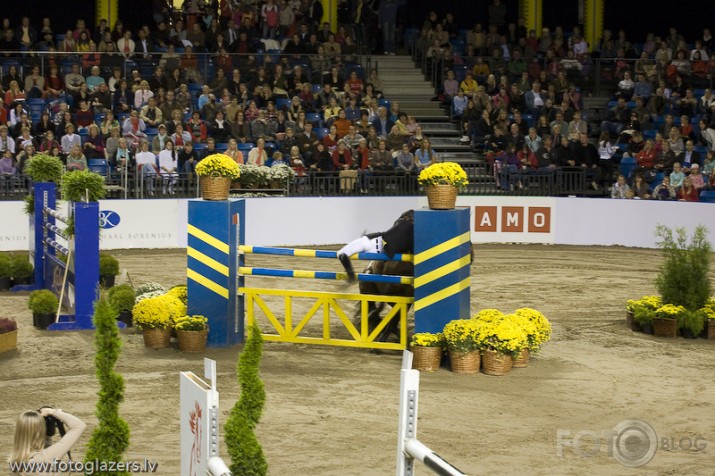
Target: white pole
409, 447
433, 461
407, 429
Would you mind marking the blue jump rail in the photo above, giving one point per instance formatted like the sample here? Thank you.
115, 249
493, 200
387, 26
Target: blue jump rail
304, 253
340, 276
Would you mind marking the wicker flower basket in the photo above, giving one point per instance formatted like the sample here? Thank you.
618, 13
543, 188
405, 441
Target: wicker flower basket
665, 327
441, 197
711, 329
496, 363
521, 360
215, 187
192, 341
8, 341
157, 338
464, 362
426, 359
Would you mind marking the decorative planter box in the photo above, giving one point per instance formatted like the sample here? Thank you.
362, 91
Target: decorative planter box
8, 341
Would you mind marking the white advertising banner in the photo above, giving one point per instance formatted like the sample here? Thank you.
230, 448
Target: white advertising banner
139, 224
511, 219
14, 227
587, 221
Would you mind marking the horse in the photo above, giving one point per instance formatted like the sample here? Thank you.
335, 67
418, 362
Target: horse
394, 268
374, 310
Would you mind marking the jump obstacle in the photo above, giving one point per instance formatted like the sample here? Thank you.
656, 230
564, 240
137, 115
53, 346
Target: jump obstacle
76, 279
216, 280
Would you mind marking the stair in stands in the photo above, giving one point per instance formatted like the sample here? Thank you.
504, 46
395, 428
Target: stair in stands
405, 84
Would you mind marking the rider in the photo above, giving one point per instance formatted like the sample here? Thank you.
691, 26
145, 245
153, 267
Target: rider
398, 239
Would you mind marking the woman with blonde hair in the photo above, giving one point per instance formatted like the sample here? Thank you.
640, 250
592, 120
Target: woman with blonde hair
31, 441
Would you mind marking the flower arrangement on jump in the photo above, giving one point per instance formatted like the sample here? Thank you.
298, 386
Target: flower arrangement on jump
220, 165
444, 173
426, 339
158, 312
536, 326
191, 323
462, 335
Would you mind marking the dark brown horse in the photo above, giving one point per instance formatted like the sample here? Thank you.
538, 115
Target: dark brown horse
394, 268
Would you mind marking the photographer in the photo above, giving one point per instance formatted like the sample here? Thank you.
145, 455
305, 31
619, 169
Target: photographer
34, 431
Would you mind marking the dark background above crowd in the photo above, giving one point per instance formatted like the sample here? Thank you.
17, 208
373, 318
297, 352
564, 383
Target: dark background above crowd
617, 15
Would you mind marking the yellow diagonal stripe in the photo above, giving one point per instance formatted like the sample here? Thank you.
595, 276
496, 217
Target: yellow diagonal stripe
442, 247
208, 239
443, 294
207, 283
442, 271
207, 260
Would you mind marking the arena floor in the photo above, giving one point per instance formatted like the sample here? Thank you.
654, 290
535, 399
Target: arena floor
333, 411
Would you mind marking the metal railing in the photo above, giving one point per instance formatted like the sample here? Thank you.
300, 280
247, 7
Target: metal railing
482, 181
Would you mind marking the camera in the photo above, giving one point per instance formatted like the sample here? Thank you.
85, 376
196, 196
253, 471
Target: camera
52, 425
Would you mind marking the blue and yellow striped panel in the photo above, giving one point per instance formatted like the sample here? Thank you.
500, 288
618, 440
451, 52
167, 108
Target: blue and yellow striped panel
211, 267
442, 267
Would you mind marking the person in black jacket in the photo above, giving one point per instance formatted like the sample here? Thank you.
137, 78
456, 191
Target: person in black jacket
398, 239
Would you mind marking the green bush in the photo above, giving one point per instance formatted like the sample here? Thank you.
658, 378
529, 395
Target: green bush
110, 439
5, 266
20, 266
683, 274
692, 320
247, 457
121, 298
43, 301
44, 168
29, 207
643, 315
108, 265
81, 185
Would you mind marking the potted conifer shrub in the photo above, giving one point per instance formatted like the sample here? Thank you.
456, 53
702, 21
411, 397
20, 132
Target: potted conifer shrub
121, 298
682, 280
691, 324
43, 304
8, 334
108, 270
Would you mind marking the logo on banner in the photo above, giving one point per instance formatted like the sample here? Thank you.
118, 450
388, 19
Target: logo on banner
512, 219
108, 219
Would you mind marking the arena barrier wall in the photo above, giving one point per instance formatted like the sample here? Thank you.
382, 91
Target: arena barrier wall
315, 221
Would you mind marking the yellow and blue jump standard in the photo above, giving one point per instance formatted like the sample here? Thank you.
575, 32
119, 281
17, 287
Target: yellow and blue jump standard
82, 267
214, 232
442, 260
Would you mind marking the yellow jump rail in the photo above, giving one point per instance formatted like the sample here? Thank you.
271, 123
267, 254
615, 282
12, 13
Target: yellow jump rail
364, 338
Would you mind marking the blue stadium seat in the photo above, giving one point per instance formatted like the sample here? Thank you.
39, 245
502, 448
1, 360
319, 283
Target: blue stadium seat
628, 164
321, 132
707, 196
222, 146
313, 117
245, 148
282, 103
